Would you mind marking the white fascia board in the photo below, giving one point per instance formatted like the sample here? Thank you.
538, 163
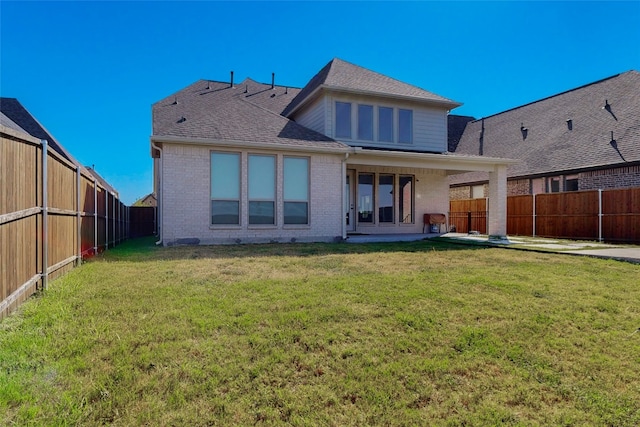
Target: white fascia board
449, 105
448, 162
249, 144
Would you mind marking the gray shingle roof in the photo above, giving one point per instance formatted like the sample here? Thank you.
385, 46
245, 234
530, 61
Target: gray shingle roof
247, 112
540, 135
340, 75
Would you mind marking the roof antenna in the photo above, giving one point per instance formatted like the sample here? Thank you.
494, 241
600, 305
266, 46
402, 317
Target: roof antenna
231, 79
273, 80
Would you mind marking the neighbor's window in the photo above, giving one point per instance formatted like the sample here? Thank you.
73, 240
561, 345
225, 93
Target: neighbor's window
405, 126
554, 185
385, 124
262, 189
225, 188
343, 120
365, 122
365, 197
406, 199
385, 198
296, 190
571, 184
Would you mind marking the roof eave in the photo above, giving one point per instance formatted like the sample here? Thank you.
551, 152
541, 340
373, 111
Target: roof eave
449, 105
229, 143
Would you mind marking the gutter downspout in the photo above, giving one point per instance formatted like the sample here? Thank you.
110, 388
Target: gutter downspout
342, 192
160, 193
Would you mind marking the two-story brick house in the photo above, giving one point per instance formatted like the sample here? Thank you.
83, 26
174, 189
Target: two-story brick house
353, 151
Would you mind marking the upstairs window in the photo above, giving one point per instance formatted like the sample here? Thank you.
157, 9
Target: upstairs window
405, 126
365, 122
343, 120
385, 124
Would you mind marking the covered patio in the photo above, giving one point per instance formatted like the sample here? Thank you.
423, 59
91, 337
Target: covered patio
370, 175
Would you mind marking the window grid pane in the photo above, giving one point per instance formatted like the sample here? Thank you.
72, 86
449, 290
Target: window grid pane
406, 199
343, 120
365, 198
365, 122
262, 177
385, 124
296, 190
225, 188
385, 198
405, 126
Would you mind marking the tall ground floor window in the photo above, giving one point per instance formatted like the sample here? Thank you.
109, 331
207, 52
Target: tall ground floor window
296, 190
386, 197
225, 188
365, 197
262, 189
406, 199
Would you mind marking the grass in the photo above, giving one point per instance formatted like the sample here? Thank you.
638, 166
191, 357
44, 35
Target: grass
374, 334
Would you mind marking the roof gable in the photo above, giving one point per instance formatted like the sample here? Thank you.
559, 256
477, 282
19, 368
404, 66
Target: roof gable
569, 131
339, 75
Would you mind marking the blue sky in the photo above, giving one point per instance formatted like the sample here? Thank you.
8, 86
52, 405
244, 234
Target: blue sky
89, 71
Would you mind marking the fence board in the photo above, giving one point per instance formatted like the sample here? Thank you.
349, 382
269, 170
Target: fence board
21, 212
572, 215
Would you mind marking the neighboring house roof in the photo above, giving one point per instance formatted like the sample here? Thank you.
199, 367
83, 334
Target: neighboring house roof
14, 111
455, 129
592, 126
342, 76
248, 113
148, 200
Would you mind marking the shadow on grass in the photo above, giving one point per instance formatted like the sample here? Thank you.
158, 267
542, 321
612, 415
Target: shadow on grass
144, 249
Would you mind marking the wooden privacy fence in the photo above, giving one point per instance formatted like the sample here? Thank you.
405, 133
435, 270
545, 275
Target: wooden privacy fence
604, 215
52, 214
468, 215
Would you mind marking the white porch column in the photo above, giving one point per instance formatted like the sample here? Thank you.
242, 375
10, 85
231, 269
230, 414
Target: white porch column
498, 202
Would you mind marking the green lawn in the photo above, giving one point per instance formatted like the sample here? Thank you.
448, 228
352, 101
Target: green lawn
421, 333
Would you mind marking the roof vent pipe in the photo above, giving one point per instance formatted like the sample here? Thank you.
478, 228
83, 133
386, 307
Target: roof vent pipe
570, 124
231, 79
273, 80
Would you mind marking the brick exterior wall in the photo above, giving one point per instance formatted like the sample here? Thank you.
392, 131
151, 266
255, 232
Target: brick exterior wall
606, 179
186, 200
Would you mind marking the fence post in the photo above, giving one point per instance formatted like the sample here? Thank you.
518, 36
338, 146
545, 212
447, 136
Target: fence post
468, 222
78, 216
95, 216
45, 219
534, 215
600, 215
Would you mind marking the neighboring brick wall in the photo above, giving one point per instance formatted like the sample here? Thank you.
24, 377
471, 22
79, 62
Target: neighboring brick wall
628, 176
186, 200
460, 193
518, 187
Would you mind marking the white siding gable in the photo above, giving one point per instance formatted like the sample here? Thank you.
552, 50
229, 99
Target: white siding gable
313, 116
429, 123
